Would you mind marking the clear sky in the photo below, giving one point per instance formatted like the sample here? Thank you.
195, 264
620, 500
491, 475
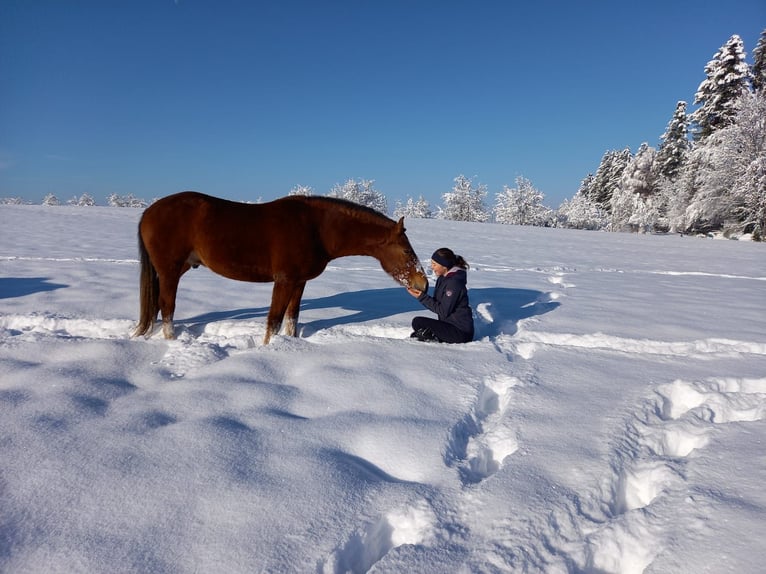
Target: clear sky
246, 99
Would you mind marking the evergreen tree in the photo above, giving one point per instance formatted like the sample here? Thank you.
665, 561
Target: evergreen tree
675, 144
465, 202
727, 77
585, 186
608, 176
51, 199
522, 205
759, 65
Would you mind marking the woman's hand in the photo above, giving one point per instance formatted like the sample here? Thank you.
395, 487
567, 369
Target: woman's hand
414, 292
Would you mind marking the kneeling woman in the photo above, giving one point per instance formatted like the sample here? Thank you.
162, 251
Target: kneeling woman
449, 302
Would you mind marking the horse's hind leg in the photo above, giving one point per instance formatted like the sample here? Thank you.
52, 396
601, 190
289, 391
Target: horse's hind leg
167, 301
293, 309
280, 299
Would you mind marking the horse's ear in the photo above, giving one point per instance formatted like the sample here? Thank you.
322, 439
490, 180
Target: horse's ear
400, 226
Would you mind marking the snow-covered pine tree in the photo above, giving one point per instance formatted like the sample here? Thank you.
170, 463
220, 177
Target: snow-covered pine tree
727, 79
674, 144
585, 184
607, 177
465, 202
522, 205
51, 199
419, 209
758, 71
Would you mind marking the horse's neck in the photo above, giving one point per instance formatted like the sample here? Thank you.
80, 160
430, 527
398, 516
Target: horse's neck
356, 236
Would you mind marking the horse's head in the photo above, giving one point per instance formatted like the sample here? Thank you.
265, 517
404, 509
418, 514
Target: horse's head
399, 260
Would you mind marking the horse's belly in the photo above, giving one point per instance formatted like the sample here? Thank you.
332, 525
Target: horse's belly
242, 272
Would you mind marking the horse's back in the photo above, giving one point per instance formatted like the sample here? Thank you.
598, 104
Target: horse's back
175, 211
249, 242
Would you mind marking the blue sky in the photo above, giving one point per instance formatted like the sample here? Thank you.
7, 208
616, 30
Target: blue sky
246, 100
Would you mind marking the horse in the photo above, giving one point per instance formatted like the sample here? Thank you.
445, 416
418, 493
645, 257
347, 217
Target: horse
287, 241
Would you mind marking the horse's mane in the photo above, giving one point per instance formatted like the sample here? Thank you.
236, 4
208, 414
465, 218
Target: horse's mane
354, 209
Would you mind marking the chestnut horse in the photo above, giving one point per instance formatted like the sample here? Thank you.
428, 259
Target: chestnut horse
287, 241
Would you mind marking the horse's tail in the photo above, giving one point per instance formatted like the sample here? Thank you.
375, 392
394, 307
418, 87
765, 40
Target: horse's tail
149, 294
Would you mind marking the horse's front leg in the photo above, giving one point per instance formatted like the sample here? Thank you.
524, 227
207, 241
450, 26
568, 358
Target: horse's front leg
293, 309
280, 299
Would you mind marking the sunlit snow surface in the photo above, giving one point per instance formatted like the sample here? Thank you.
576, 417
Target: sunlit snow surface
610, 416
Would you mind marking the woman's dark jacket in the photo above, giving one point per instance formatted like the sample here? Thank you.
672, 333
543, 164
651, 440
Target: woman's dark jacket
450, 300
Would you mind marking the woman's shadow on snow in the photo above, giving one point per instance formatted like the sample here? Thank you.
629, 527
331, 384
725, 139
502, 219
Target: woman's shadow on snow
497, 310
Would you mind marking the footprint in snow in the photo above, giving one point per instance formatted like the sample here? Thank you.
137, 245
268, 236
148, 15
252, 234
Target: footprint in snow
480, 442
413, 524
684, 415
680, 420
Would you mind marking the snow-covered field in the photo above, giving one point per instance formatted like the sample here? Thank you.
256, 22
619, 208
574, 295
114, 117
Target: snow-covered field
611, 416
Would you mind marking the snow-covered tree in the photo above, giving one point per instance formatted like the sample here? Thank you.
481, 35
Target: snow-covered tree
362, 192
465, 202
732, 179
634, 203
675, 144
301, 190
727, 79
582, 213
677, 195
607, 177
640, 175
522, 205
419, 209
85, 200
12, 201
585, 184
128, 200
51, 199
758, 71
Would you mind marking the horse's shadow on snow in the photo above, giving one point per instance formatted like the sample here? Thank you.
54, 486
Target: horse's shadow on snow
11, 287
497, 310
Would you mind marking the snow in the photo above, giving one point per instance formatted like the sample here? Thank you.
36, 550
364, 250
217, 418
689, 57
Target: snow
610, 416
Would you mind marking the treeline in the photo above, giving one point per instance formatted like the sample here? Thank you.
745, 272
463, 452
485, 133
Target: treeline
85, 200
708, 173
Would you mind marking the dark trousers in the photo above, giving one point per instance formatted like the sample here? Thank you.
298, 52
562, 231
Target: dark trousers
445, 332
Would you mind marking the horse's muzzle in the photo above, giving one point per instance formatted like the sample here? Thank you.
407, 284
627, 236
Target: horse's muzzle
420, 283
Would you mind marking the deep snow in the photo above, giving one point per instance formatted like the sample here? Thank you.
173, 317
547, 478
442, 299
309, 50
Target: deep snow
609, 418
